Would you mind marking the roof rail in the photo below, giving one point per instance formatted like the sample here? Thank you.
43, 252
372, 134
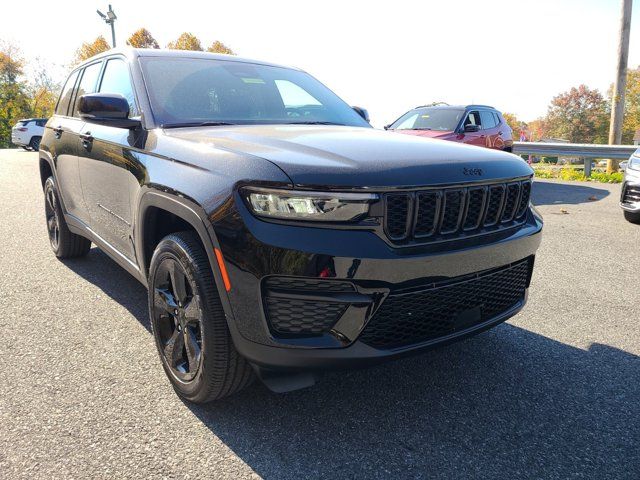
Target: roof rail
434, 104
477, 105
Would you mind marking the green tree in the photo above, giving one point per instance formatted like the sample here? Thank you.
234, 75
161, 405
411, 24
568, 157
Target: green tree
579, 115
89, 49
186, 41
14, 100
219, 47
142, 38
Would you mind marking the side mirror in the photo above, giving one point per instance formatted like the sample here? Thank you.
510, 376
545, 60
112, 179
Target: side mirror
362, 112
471, 128
110, 109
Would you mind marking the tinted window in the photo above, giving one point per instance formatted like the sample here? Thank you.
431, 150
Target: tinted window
66, 95
427, 118
472, 119
487, 119
87, 82
496, 118
116, 80
194, 90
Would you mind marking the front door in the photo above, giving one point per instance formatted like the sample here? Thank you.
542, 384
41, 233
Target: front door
110, 168
473, 138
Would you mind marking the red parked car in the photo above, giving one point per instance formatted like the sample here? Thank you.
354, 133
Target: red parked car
474, 124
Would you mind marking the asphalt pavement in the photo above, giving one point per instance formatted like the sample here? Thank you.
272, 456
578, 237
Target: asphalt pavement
552, 393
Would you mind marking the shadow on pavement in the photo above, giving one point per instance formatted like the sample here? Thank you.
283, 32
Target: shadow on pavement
508, 403
551, 193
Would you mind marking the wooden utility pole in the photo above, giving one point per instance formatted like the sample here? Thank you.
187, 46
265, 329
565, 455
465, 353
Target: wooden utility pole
617, 106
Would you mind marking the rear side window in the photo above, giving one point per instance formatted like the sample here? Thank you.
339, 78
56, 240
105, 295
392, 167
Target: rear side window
497, 118
116, 79
87, 83
65, 97
487, 119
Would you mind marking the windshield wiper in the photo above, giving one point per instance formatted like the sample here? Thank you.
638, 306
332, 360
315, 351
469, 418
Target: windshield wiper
195, 124
314, 123
421, 128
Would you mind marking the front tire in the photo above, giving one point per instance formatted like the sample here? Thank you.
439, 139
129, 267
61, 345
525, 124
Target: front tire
64, 243
189, 324
633, 217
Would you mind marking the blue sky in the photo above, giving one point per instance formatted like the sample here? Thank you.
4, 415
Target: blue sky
385, 56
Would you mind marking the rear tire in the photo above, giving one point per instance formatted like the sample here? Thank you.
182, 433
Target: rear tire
633, 217
34, 144
189, 324
64, 243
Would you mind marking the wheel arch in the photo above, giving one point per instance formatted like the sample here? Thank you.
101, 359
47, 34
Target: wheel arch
46, 170
156, 206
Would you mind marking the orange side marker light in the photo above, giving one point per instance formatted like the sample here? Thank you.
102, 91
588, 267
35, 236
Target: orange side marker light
223, 269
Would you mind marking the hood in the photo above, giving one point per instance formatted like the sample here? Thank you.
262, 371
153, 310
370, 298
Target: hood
340, 156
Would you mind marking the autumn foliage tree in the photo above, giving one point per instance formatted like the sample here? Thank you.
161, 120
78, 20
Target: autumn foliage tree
89, 49
186, 41
631, 121
14, 98
219, 47
142, 38
579, 115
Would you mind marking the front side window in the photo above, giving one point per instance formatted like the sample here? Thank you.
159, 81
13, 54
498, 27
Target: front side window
65, 97
87, 83
428, 118
116, 80
196, 90
472, 119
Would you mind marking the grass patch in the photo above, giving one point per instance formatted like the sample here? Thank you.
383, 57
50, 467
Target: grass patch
574, 174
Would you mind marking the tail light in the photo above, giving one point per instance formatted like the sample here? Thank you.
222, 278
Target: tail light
23, 129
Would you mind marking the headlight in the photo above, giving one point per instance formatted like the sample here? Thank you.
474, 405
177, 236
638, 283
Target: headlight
634, 162
308, 206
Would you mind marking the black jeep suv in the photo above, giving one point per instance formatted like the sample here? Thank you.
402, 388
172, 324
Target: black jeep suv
277, 232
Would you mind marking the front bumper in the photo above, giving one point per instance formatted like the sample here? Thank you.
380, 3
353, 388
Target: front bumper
256, 250
630, 194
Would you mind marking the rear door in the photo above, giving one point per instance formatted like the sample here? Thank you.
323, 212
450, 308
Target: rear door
473, 138
490, 129
110, 169
60, 138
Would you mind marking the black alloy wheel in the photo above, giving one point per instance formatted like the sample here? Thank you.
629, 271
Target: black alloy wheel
189, 324
177, 320
53, 220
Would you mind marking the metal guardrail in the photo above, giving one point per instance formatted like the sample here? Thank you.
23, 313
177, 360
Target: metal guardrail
581, 150
585, 151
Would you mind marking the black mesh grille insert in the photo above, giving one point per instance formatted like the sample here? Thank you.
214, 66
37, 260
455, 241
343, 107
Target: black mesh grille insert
290, 316
451, 213
307, 284
447, 213
475, 207
510, 202
525, 196
409, 318
496, 195
397, 212
427, 215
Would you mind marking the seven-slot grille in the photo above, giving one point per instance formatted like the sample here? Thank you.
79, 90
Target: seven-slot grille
451, 212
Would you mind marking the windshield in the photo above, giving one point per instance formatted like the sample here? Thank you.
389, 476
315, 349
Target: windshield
192, 91
439, 119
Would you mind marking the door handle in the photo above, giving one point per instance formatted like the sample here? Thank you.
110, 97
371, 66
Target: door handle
57, 131
500, 133
87, 139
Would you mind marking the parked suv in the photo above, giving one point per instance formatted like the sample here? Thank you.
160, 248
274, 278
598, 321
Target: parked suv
278, 234
27, 133
630, 196
479, 125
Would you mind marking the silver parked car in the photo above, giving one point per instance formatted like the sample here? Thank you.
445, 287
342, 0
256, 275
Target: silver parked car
630, 197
